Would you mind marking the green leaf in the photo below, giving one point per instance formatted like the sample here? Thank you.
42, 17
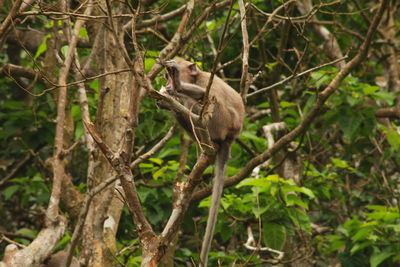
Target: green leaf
83, 33
378, 257
300, 219
10, 191
260, 182
94, 85
292, 199
27, 232
79, 131
393, 138
42, 47
360, 246
370, 89
339, 163
349, 123
271, 66
148, 63
64, 50
274, 235
159, 173
385, 96
252, 136
156, 161
257, 211
362, 233
285, 104
293, 188
63, 241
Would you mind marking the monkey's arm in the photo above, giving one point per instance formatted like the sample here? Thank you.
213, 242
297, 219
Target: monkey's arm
175, 85
192, 90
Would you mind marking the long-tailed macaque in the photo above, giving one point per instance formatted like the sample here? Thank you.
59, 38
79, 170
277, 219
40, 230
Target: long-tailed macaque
187, 82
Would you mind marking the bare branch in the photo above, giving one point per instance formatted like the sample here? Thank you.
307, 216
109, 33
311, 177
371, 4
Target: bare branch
15, 169
156, 19
154, 149
245, 79
296, 75
176, 42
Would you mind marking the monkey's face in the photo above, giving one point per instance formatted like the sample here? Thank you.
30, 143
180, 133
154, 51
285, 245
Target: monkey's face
188, 71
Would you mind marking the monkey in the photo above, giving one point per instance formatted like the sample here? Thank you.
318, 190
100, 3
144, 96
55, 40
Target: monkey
187, 82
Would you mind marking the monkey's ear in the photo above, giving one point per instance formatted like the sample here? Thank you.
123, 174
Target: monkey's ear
194, 70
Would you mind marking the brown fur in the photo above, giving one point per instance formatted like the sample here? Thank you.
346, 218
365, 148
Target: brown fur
227, 118
188, 83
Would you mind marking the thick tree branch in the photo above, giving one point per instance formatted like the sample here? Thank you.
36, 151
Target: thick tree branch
7, 22
18, 71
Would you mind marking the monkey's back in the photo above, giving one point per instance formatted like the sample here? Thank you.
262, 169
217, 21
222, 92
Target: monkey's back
227, 119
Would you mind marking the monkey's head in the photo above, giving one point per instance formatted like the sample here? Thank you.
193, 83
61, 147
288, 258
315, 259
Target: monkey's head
188, 71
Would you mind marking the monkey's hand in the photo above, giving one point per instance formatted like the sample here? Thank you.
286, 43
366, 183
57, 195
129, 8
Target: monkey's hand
169, 90
161, 103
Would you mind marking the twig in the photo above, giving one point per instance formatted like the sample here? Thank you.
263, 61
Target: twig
18, 235
12, 241
154, 149
171, 50
216, 60
244, 80
260, 33
45, 91
176, 42
214, 52
156, 19
15, 169
296, 75
250, 241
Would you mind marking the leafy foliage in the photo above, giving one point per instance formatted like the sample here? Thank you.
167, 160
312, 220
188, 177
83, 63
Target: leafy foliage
345, 202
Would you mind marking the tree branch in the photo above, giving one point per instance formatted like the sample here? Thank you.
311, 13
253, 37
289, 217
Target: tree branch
245, 79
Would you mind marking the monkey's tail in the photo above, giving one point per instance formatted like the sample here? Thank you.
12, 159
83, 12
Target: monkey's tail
218, 186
